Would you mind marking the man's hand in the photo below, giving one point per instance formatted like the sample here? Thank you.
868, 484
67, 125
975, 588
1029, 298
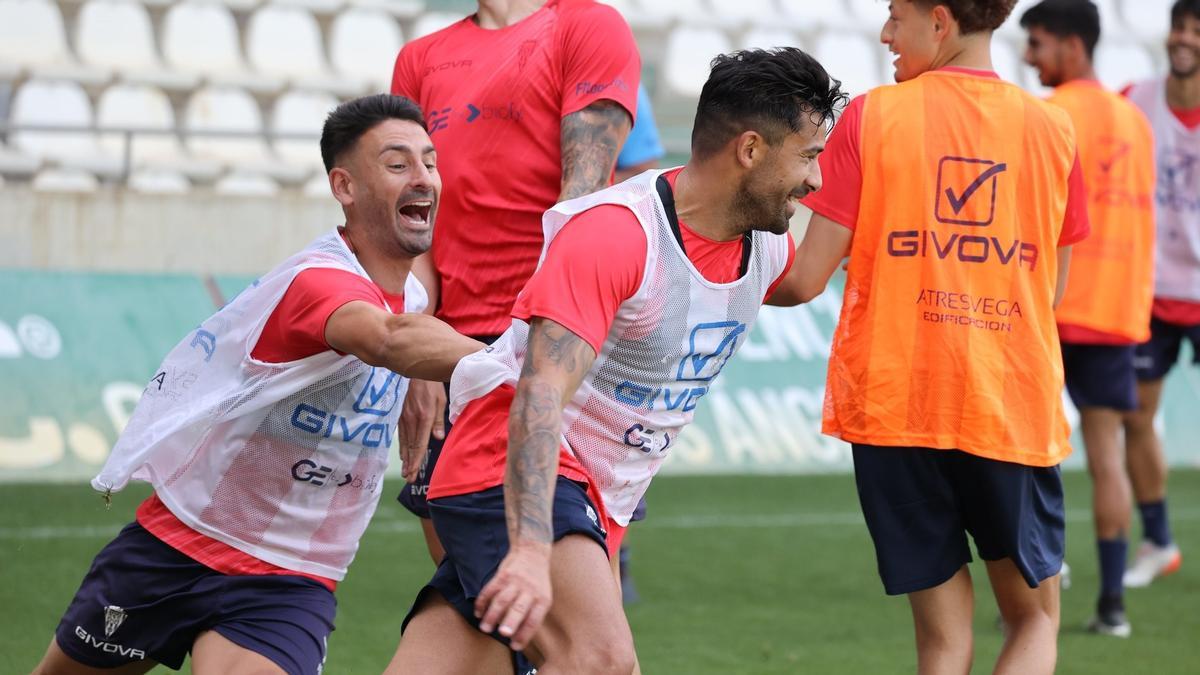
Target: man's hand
518, 596
422, 418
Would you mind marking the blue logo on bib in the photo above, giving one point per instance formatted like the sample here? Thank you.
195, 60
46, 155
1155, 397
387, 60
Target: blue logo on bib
380, 393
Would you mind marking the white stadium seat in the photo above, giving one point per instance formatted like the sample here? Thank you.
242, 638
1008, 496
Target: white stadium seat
285, 42
158, 182
820, 14
432, 22
117, 35
13, 162
32, 37
133, 106
869, 15
65, 180
1121, 64
325, 7
857, 60
689, 51
1007, 61
202, 37
241, 184
301, 113
746, 12
363, 44
227, 110
765, 38
403, 9
59, 104
1148, 19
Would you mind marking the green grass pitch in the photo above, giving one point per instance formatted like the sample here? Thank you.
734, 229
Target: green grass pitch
753, 575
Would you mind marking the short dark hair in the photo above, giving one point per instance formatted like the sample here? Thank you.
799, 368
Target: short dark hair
1066, 18
767, 90
974, 16
1182, 7
350, 120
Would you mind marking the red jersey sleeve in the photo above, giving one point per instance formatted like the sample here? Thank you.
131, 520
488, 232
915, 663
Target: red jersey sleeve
1076, 225
600, 59
594, 264
841, 170
296, 329
786, 268
404, 74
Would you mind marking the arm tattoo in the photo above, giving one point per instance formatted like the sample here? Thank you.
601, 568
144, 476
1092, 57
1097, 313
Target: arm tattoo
555, 364
591, 140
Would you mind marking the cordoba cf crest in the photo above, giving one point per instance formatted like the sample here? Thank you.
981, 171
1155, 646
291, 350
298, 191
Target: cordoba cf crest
113, 618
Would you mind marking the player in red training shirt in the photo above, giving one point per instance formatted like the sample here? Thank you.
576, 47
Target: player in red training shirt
529, 102
266, 433
644, 292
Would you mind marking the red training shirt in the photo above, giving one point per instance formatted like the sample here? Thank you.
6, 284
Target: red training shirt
593, 265
494, 101
295, 330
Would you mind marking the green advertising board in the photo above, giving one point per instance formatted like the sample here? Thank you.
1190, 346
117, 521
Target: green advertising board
76, 349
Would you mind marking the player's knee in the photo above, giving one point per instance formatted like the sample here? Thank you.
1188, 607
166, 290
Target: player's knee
598, 657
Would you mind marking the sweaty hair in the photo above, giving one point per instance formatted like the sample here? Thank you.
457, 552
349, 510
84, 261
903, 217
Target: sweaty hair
1066, 18
350, 120
974, 16
765, 90
1183, 7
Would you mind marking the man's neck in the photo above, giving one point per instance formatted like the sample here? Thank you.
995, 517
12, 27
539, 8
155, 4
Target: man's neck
1183, 93
388, 273
971, 51
702, 200
496, 14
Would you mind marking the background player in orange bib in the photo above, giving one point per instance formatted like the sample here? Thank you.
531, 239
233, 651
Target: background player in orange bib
955, 194
1106, 309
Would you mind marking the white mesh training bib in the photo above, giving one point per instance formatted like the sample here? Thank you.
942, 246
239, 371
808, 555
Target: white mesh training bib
667, 344
1177, 195
283, 461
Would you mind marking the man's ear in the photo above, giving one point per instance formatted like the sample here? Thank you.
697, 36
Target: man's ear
943, 22
750, 148
342, 185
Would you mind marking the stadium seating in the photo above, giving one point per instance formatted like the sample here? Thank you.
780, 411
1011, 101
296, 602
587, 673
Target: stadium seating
183, 72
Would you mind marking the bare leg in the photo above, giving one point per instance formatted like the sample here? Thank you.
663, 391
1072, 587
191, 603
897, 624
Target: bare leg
1031, 620
942, 618
432, 542
1143, 448
56, 662
439, 641
585, 632
615, 561
1111, 494
215, 654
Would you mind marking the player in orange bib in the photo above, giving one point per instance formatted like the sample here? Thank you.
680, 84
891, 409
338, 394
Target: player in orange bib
956, 196
1106, 310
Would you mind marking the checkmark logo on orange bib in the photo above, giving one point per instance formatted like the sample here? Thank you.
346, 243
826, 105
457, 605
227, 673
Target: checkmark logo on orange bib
966, 190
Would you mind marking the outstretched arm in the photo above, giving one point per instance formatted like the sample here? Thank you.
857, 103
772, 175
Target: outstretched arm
824, 246
591, 140
413, 345
518, 597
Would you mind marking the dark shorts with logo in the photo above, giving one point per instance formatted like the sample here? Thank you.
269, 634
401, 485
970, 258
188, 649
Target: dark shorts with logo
412, 495
920, 504
143, 599
474, 532
1155, 358
1100, 376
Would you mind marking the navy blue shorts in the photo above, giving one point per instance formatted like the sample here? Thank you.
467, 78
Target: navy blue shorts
1100, 376
1155, 358
920, 503
143, 599
412, 495
474, 532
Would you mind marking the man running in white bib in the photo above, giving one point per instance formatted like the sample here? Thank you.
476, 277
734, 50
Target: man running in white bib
643, 293
266, 432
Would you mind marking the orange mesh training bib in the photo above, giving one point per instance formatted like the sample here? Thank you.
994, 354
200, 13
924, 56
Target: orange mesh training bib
1111, 282
947, 336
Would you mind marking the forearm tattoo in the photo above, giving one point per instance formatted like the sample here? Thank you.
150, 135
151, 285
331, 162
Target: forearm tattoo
591, 140
556, 360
